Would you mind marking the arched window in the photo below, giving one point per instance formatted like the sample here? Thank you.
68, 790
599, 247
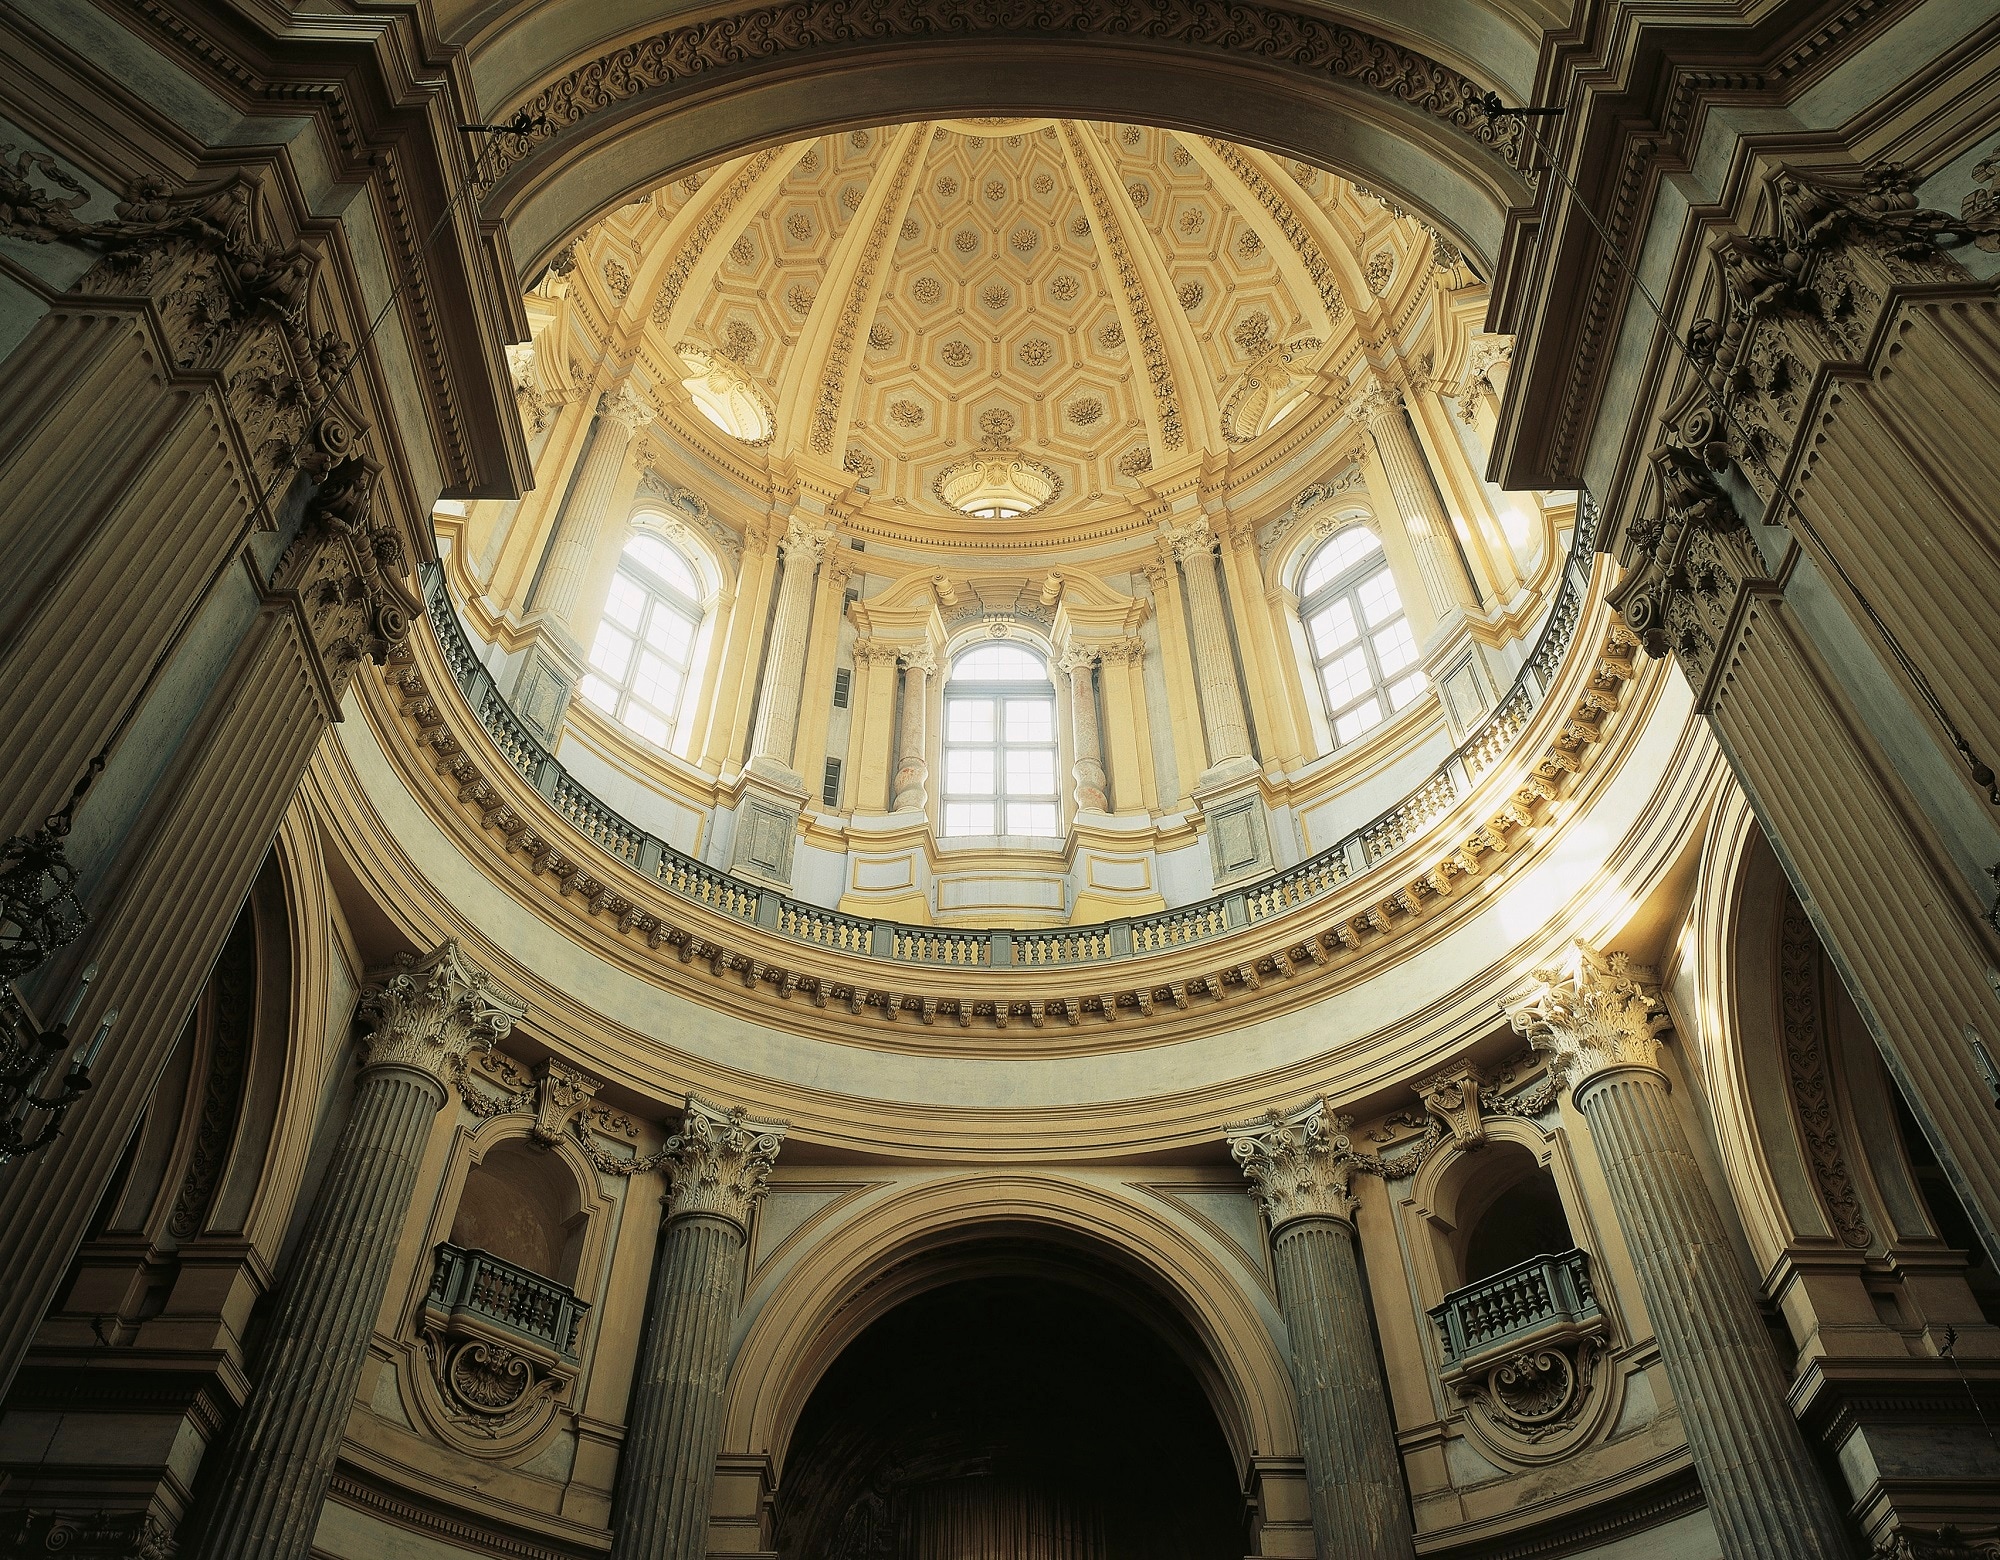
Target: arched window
645, 640
1361, 644
1000, 744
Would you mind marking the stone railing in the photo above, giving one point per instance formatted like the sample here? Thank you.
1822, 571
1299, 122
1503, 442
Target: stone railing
1067, 947
1532, 1299
477, 1284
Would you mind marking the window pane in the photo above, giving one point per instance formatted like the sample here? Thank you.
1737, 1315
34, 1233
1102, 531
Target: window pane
612, 652
1031, 720
1031, 817
625, 603
1332, 628
671, 567
1379, 601
655, 681
1363, 717
670, 634
969, 720
646, 723
1000, 663
1339, 555
968, 817
1395, 648
968, 772
600, 693
1411, 687
1031, 772
1347, 678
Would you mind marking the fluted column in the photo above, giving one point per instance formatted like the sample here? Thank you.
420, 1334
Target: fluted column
913, 772
777, 726
1214, 663
1599, 1018
621, 414
423, 1015
1428, 526
1077, 663
1299, 1168
718, 1163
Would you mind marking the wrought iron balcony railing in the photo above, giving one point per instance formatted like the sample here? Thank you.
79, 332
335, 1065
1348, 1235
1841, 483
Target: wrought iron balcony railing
476, 1284
1319, 874
1533, 1299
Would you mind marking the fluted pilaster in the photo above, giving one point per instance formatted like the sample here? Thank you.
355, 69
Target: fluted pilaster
621, 414
1299, 1168
265, 1501
1424, 519
719, 1163
1599, 1017
777, 729
1214, 660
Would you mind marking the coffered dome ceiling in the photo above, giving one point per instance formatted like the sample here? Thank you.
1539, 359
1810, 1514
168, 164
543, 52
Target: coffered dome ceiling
1002, 316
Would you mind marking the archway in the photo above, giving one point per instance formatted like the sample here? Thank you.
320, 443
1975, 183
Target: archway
611, 125
1011, 1414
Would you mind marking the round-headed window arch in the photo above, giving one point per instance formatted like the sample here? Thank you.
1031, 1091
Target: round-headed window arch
645, 642
723, 394
1363, 652
1000, 744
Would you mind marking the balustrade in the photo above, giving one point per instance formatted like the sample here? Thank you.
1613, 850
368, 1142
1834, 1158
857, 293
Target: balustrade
475, 1283
816, 926
1531, 1297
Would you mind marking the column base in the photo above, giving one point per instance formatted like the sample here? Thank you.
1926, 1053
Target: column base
1238, 826
766, 829
545, 680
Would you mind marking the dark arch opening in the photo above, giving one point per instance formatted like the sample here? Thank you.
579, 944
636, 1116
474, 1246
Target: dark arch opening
1009, 1417
1523, 1217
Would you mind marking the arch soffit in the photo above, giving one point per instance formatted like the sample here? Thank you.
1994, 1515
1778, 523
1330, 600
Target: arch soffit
657, 517
615, 135
918, 1240
1439, 1191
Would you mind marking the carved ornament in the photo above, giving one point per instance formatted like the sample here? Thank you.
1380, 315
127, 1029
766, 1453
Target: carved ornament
720, 1163
427, 1013
1593, 1012
1300, 1166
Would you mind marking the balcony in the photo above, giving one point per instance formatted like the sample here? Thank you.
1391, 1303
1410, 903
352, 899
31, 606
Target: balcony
478, 1288
1546, 1300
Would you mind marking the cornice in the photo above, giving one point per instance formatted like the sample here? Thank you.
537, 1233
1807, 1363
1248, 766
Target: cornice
1275, 963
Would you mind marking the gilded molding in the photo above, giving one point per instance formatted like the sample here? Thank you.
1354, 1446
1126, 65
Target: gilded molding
1593, 1013
1159, 372
426, 1013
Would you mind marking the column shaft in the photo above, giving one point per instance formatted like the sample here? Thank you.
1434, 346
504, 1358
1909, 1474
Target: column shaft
1429, 527
784, 665
557, 592
1088, 770
667, 1470
1765, 1496
913, 773
265, 1503
1214, 662
1353, 1469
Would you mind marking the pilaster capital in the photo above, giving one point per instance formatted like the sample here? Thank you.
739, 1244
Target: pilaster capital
426, 1012
626, 407
1592, 1013
1299, 1166
867, 651
720, 1162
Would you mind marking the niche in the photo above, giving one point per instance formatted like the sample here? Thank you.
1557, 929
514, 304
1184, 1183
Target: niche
1514, 1212
521, 1204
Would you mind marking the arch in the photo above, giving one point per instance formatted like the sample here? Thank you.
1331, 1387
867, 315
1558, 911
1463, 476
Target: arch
522, 1204
931, 1235
623, 121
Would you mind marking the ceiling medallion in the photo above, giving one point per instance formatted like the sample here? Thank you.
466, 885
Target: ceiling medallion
997, 482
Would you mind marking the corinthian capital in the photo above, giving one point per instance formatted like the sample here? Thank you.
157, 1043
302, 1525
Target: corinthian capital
804, 544
1298, 1166
626, 407
1377, 401
1192, 540
1593, 1012
426, 1013
720, 1162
